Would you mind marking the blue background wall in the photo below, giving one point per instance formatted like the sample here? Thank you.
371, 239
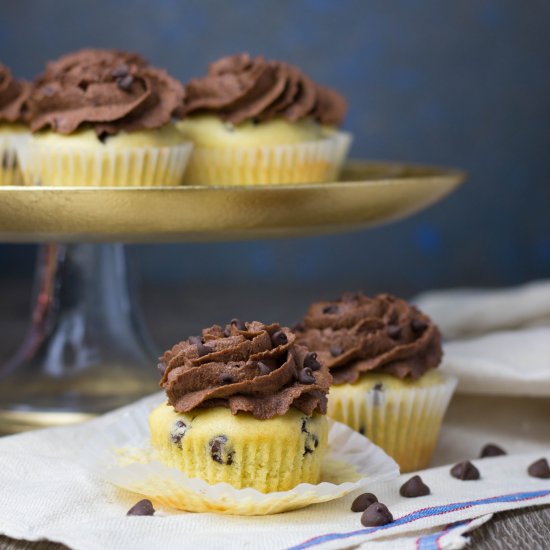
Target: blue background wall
461, 83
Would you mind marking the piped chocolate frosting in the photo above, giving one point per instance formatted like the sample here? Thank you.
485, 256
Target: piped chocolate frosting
239, 88
357, 334
13, 96
246, 367
108, 90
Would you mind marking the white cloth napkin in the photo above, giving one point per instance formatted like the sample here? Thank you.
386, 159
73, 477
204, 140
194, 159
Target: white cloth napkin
497, 344
48, 493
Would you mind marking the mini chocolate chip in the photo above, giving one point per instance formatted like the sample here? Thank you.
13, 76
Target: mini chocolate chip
9, 161
540, 469
125, 82
329, 310
394, 332
335, 351
161, 367
378, 386
195, 340
263, 368
311, 362
219, 450
491, 450
142, 508
413, 488
418, 325
362, 430
102, 136
305, 376
121, 70
279, 338
362, 502
304, 425
375, 515
226, 379
298, 327
465, 471
227, 332
178, 431
238, 323
312, 442
203, 350
229, 127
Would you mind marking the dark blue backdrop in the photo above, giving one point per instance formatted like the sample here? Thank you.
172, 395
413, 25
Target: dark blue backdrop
458, 83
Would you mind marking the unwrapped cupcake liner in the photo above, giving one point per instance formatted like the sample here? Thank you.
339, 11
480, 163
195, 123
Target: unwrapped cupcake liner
10, 173
46, 165
404, 422
309, 162
123, 456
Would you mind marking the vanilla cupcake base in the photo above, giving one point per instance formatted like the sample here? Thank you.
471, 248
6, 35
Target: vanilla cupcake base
214, 445
146, 158
403, 417
308, 162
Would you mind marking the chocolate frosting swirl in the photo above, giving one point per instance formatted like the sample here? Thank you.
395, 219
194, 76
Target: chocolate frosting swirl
13, 96
108, 90
357, 334
249, 367
239, 88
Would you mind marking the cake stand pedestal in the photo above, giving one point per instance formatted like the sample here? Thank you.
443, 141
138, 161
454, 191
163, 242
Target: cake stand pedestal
86, 350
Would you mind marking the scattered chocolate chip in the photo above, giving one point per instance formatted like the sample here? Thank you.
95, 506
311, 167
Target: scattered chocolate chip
335, 351
195, 340
375, 515
279, 338
305, 376
142, 508
161, 367
226, 379
311, 362
219, 450
121, 70
491, 450
203, 350
312, 442
362, 502
413, 488
125, 82
465, 471
394, 332
263, 368
178, 431
329, 310
418, 325
238, 323
539, 468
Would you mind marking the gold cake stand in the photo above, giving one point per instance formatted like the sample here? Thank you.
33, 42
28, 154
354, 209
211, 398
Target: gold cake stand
86, 350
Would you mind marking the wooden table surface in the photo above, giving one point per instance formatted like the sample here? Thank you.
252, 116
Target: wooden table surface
528, 528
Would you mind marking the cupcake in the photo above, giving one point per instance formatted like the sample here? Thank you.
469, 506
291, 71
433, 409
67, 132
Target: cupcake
255, 121
383, 355
13, 96
246, 406
104, 118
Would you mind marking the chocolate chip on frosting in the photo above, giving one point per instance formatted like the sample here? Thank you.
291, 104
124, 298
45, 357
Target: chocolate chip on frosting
261, 371
376, 515
465, 471
382, 334
238, 324
540, 469
203, 350
335, 351
195, 340
491, 450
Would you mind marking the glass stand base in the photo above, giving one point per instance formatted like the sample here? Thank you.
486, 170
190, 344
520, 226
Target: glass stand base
86, 351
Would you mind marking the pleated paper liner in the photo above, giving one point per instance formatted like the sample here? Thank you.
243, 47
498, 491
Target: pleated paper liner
42, 164
122, 456
10, 173
405, 422
309, 162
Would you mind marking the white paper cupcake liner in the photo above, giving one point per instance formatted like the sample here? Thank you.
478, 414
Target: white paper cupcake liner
10, 173
123, 457
309, 162
42, 164
404, 422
